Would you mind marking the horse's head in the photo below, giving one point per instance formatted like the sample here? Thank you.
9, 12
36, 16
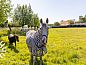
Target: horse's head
44, 30
17, 38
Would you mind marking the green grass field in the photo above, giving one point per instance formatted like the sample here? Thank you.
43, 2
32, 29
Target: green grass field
66, 46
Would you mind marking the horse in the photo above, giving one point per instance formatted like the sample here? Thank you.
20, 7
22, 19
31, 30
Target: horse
36, 41
13, 38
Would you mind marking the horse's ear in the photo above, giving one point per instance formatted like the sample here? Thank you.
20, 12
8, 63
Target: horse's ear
47, 20
41, 20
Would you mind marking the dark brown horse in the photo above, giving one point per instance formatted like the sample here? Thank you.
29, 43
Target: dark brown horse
13, 38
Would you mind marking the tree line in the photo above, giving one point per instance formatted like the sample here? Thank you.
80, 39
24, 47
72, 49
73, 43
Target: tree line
22, 14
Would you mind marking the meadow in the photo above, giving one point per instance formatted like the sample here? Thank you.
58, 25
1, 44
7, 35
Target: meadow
66, 46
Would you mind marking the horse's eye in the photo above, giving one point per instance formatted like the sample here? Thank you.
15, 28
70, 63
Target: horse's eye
40, 28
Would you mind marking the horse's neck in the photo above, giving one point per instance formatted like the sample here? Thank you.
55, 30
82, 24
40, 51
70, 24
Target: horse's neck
38, 35
38, 38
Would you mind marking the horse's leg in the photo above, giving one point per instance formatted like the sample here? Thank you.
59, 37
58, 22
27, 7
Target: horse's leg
41, 63
31, 58
15, 43
30, 49
34, 57
34, 60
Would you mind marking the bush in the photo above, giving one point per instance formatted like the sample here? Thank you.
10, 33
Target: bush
15, 25
56, 24
3, 32
1, 25
16, 30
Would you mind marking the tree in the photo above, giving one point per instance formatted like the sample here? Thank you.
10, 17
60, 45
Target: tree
5, 10
36, 20
82, 19
19, 15
70, 21
23, 15
85, 18
30, 15
56, 24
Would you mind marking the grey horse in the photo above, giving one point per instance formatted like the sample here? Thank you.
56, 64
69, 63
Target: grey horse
36, 41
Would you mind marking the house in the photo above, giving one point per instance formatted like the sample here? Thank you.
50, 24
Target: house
64, 23
78, 23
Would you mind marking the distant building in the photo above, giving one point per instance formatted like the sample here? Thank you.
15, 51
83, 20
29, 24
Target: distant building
79, 23
64, 23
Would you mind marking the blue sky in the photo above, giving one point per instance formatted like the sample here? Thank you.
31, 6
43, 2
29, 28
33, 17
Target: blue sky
56, 10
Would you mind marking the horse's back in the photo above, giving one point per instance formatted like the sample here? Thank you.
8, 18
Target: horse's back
30, 33
30, 36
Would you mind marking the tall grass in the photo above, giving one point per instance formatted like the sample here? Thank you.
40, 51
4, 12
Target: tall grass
66, 46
